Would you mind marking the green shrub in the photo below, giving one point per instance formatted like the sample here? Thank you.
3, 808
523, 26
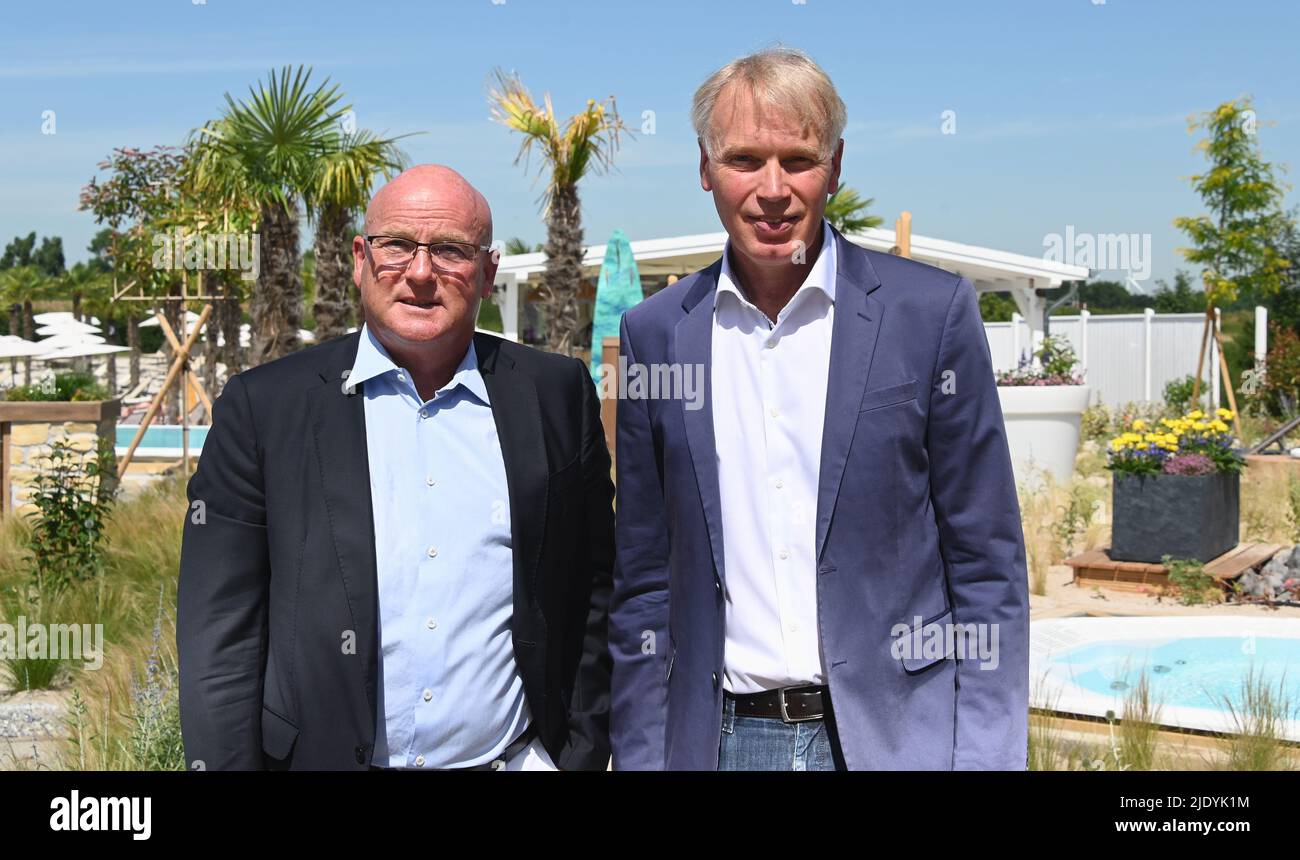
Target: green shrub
1178, 393
1189, 577
73, 496
73, 385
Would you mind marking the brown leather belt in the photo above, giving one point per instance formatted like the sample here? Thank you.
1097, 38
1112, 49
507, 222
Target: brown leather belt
788, 704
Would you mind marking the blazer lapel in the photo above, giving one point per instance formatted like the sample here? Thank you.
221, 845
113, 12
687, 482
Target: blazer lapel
853, 344
338, 424
518, 420
694, 346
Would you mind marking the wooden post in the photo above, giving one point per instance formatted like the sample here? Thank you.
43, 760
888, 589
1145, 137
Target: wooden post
1227, 384
903, 235
5, 490
609, 405
1200, 359
178, 364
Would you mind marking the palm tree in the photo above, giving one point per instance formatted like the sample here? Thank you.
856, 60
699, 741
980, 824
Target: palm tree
21, 287
515, 245
76, 283
847, 211
264, 150
586, 143
340, 188
97, 300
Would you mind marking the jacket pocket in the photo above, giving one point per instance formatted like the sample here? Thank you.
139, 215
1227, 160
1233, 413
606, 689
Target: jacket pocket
890, 395
278, 734
914, 651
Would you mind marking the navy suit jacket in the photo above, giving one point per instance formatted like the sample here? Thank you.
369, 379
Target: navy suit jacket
917, 515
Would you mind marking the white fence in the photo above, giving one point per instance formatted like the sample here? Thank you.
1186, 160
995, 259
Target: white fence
1124, 357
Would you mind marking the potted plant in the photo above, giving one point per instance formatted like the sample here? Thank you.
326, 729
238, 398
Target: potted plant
1042, 403
1176, 488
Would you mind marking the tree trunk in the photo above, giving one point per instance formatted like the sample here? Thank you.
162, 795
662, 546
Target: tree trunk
334, 234
562, 278
277, 301
358, 309
231, 315
173, 312
133, 341
29, 332
110, 374
15, 329
76, 306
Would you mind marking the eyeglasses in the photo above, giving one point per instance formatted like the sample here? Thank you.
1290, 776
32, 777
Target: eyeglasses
446, 256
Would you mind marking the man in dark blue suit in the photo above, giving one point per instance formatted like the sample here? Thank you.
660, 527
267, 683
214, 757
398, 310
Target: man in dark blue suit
820, 565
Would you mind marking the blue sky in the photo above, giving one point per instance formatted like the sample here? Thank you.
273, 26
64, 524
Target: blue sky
1068, 112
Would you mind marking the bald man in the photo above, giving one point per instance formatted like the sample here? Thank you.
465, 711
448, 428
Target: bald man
399, 544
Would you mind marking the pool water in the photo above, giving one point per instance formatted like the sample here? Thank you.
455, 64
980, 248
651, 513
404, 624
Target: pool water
160, 436
1195, 672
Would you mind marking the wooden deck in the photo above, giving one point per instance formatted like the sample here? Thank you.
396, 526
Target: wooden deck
1095, 567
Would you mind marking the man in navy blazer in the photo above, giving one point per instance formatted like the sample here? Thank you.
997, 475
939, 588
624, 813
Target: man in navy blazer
820, 562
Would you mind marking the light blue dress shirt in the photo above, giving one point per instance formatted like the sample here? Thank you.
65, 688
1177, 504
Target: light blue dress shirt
450, 693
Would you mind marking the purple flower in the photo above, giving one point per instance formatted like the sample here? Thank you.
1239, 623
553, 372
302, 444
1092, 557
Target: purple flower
1189, 464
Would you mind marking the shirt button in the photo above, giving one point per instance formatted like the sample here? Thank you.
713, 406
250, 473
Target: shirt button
432, 623
784, 554
794, 628
424, 413
433, 552
429, 479
780, 484
401, 377
774, 412
428, 695
419, 760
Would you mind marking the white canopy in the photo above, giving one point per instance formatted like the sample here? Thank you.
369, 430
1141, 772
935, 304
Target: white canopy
16, 347
988, 269
75, 339
190, 319
82, 350
67, 327
54, 317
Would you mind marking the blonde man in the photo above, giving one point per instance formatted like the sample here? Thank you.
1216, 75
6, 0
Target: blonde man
823, 568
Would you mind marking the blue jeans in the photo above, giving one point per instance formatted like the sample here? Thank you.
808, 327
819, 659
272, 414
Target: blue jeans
767, 743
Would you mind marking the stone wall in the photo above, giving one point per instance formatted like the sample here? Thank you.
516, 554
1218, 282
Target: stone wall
29, 441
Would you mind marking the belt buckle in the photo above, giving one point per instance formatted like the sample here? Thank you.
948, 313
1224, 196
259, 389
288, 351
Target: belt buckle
785, 713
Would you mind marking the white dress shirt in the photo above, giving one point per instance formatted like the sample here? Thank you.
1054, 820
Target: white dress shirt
769, 403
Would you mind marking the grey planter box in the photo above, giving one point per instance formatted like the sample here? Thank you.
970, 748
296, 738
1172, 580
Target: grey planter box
1185, 516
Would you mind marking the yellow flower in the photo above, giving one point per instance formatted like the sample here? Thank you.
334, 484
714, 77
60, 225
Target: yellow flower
1219, 426
1195, 415
1139, 424
1225, 414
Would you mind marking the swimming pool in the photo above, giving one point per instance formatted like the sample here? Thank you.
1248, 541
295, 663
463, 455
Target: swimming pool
1194, 666
160, 440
